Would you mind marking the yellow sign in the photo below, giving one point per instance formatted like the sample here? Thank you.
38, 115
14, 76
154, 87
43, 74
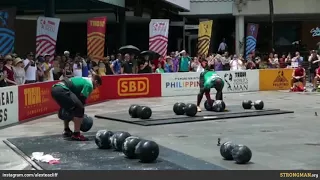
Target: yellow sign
204, 37
275, 79
133, 86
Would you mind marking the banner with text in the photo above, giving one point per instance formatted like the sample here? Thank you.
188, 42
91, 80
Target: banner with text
181, 84
7, 33
204, 37
46, 37
158, 36
9, 105
96, 32
251, 39
275, 79
133, 86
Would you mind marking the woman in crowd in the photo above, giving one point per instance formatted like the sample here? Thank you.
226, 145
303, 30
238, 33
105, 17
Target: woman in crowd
159, 69
57, 72
3, 82
8, 70
77, 68
194, 64
19, 72
235, 64
102, 68
40, 72
67, 71
168, 66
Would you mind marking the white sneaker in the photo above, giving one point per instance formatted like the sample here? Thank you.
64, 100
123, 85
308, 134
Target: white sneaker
199, 109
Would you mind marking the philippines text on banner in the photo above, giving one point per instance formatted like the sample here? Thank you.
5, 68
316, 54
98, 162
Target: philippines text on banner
182, 84
46, 38
7, 34
96, 30
204, 37
274, 79
9, 105
251, 39
158, 36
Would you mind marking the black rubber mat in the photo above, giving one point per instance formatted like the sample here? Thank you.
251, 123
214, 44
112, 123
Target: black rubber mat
75, 155
168, 117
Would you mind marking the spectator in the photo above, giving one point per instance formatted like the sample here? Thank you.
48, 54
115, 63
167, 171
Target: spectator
108, 65
77, 67
116, 65
67, 55
313, 64
40, 71
272, 61
134, 64
145, 65
95, 68
175, 61
47, 68
288, 60
159, 69
112, 58
225, 61
235, 64
67, 71
218, 66
3, 77
30, 68
56, 71
102, 68
168, 66
184, 61
297, 60
222, 46
257, 61
195, 64
19, 72
127, 65
8, 70
282, 61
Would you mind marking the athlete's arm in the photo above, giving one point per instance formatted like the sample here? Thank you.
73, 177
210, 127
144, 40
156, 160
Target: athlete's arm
85, 93
293, 74
304, 73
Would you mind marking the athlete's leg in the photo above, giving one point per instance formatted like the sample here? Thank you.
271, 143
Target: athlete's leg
219, 87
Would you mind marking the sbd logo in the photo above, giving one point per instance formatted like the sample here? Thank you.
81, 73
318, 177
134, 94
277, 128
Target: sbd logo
133, 86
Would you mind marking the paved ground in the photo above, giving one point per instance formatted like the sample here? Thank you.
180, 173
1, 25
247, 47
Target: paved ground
277, 142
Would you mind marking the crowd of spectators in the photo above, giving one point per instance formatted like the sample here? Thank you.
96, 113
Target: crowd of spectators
15, 70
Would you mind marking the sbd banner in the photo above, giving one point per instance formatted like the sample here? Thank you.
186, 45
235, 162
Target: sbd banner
96, 29
7, 34
275, 79
46, 37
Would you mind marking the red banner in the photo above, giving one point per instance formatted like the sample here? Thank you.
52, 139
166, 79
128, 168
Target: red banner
133, 86
96, 29
35, 100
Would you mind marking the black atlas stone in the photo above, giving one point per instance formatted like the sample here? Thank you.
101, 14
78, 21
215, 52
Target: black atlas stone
218, 106
144, 112
207, 106
147, 151
118, 140
87, 123
180, 109
241, 154
247, 104
191, 110
133, 111
226, 150
258, 105
103, 139
129, 147
65, 115
175, 107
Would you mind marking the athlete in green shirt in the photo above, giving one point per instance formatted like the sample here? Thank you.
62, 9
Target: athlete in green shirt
209, 79
71, 94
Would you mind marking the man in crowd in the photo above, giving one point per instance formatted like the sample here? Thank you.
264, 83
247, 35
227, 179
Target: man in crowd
116, 65
313, 64
127, 65
184, 62
30, 68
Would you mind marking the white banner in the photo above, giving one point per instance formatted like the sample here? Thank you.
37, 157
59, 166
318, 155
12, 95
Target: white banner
158, 36
46, 37
9, 113
182, 84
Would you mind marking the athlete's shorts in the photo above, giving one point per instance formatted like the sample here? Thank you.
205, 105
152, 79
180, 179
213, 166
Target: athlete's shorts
67, 100
297, 80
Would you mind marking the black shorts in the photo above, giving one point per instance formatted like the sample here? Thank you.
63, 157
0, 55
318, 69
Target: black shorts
67, 100
297, 80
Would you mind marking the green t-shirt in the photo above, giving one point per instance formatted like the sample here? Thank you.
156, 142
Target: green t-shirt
210, 78
159, 70
80, 85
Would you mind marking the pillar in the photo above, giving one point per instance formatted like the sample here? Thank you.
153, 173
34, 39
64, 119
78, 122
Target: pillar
123, 27
50, 8
240, 34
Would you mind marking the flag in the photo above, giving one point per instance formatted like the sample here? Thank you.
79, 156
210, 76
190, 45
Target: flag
251, 39
96, 33
204, 37
46, 37
158, 36
7, 33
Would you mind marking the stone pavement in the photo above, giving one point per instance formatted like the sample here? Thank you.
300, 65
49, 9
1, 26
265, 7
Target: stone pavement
287, 142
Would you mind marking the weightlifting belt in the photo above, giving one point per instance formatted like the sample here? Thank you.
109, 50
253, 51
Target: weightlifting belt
67, 82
